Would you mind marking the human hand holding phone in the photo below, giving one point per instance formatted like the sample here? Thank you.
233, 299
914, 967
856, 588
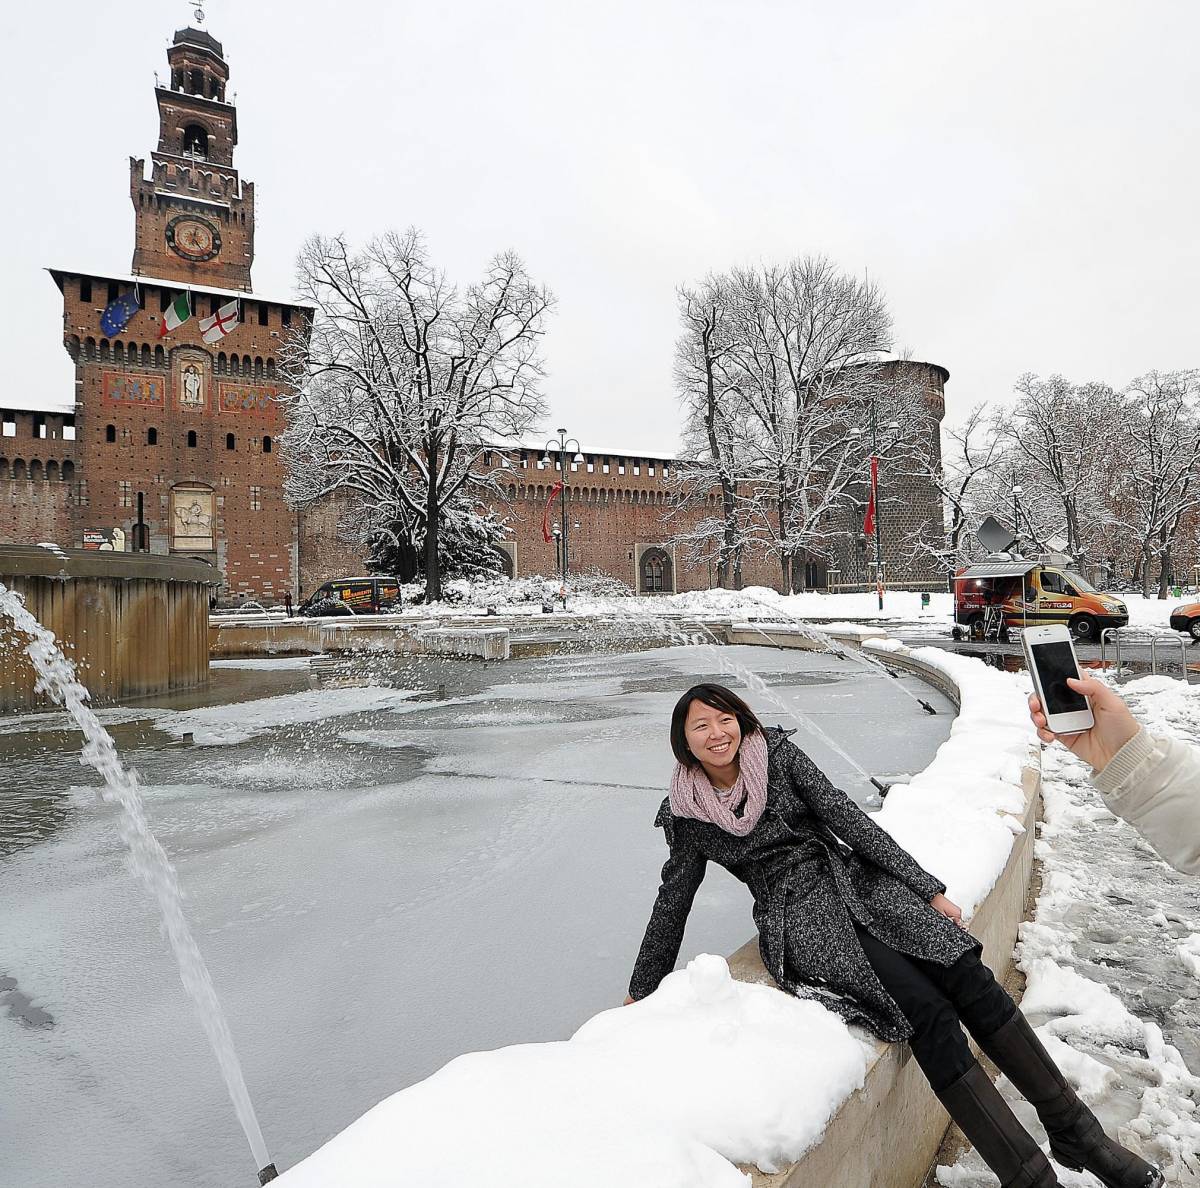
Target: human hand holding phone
1114, 724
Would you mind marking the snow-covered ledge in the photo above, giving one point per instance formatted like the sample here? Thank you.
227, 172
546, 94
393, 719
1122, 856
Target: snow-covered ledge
711, 1072
969, 817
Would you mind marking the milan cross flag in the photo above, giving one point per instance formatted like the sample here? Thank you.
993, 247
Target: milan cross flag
221, 323
869, 518
547, 536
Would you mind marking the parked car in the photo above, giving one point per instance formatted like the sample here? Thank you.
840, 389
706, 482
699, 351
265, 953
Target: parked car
1186, 618
1036, 591
353, 596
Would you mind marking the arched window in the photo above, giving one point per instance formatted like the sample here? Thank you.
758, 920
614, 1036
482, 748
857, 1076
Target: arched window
258, 368
230, 441
51, 472
3, 469
657, 572
19, 469
36, 471
235, 367
160, 357
195, 142
146, 355
197, 82
110, 433
118, 352
270, 369
104, 351
152, 436
90, 348
247, 365
266, 445
68, 471
222, 363
191, 439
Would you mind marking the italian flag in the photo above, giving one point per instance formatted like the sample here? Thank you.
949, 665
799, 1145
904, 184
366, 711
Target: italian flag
177, 313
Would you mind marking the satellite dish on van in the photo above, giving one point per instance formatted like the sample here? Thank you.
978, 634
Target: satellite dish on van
994, 536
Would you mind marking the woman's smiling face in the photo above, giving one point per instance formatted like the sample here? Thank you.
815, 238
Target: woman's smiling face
713, 735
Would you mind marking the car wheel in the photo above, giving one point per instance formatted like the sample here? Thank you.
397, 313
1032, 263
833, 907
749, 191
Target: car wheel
1084, 628
1194, 629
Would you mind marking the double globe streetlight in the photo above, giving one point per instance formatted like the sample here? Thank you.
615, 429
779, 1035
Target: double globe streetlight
559, 448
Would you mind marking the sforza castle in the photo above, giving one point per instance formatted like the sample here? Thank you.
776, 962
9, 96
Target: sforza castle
169, 440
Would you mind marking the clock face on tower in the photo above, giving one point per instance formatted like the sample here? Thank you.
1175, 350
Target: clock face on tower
193, 237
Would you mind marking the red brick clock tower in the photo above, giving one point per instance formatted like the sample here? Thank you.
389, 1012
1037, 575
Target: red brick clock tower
177, 423
195, 217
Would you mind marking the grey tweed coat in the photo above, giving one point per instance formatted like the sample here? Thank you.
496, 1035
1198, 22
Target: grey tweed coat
809, 889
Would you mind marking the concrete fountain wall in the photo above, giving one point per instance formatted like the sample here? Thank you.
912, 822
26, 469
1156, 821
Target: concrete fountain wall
135, 624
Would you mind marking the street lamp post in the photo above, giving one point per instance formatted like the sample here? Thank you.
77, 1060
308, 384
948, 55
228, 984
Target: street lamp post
559, 448
891, 426
1016, 515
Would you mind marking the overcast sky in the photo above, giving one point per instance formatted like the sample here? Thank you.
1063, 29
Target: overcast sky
1021, 178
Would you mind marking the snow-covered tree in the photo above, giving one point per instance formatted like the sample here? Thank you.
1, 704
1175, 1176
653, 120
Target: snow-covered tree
1158, 481
1056, 437
405, 381
804, 371
965, 476
712, 457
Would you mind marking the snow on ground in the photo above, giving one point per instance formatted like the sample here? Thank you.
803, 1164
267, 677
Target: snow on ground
221, 725
1112, 963
648, 1096
704, 1072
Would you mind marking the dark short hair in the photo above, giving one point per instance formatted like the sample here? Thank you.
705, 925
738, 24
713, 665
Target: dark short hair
715, 697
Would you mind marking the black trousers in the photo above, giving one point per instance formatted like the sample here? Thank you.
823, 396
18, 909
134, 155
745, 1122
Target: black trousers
938, 1001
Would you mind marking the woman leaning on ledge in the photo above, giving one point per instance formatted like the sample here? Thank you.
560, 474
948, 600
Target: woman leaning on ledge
847, 917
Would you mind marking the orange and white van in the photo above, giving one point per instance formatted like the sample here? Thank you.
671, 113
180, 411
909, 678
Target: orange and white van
1037, 591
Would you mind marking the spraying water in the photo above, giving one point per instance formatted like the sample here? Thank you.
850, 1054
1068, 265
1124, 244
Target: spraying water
57, 679
720, 656
818, 636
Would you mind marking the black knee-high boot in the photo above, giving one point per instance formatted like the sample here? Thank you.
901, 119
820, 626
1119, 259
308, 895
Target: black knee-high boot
1077, 1139
993, 1130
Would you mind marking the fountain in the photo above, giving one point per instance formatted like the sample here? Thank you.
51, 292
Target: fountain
57, 680
136, 624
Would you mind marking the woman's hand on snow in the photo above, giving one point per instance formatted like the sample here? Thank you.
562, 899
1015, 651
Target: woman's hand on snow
950, 910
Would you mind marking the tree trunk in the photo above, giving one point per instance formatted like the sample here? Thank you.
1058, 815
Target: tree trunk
1165, 570
433, 571
1145, 563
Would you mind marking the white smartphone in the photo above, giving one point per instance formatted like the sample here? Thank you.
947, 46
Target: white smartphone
1050, 657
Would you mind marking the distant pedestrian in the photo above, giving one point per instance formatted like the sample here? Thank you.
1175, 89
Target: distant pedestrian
287, 602
1149, 780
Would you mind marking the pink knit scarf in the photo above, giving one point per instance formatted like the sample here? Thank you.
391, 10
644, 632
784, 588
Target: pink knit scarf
692, 793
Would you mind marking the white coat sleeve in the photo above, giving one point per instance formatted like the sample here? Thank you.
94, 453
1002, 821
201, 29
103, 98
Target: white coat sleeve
1154, 784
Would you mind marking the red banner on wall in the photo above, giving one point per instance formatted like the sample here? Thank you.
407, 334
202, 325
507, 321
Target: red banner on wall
546, 534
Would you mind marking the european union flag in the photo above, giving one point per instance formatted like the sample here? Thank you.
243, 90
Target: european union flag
117, 313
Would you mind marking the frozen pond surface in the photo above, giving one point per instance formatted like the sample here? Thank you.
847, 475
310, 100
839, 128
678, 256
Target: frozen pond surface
379, 878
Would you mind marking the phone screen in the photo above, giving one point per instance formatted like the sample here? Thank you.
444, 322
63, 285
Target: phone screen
1055, 662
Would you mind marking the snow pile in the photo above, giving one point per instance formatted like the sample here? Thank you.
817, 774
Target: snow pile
223, 725
958, 816
1110, 960
661, 1094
